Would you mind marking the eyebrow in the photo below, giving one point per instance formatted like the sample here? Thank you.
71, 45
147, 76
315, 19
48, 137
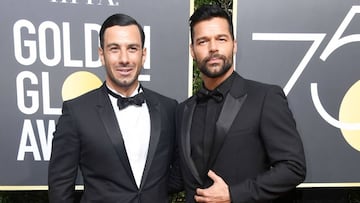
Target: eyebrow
128, 45
216, 36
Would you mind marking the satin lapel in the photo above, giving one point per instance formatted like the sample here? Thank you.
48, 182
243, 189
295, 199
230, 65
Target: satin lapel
185, 137
155, 119
227, 115
109, 120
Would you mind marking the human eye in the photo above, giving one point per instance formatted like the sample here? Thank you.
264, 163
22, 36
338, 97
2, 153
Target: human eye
222, 39
201, 41
114, 49
133, 49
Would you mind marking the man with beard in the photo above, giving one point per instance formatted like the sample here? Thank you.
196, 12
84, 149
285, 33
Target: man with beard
237, 138
121, 135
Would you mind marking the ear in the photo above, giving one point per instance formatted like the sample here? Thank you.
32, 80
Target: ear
235, 46
192, 50
144, 53
101, 55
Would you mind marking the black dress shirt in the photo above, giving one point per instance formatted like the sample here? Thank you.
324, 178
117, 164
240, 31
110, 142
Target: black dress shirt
202, 132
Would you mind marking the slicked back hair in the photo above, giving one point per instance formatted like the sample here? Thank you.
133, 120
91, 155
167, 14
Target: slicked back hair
120, 20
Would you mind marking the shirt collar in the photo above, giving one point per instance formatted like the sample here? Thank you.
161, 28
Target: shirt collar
225, 86
137, 90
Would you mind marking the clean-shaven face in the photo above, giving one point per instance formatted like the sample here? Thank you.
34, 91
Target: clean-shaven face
123, 57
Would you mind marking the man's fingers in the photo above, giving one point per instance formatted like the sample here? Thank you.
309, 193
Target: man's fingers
200, 198
213, 176
197, 198
200, 192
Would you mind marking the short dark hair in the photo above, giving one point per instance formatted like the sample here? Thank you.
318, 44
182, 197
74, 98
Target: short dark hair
207, 12
120, 20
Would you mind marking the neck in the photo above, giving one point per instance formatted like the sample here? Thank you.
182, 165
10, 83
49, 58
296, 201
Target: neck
212, 83
124, 91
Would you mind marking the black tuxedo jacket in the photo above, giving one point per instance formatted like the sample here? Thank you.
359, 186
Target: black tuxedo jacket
257, 149
88, 137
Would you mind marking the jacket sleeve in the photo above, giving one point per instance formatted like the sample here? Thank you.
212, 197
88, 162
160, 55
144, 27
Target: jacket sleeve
284, 149
63, 165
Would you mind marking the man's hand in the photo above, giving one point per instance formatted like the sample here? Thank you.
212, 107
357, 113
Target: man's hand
216, 193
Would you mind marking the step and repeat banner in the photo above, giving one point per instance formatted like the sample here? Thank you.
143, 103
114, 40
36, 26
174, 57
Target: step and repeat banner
49, 54
311, 49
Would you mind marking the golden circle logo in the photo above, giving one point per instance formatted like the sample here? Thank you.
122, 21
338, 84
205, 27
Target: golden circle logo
79, 83
350, 113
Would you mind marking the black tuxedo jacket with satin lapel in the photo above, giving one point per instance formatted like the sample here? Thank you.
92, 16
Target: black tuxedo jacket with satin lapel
257, 149
88, 137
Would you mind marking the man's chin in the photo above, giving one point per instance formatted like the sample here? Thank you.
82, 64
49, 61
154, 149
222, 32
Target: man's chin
125, 83
213, 75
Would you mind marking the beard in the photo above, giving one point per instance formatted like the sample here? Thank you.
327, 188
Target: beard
209, 71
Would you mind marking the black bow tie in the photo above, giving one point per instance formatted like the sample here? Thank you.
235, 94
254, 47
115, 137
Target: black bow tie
203, 95
124, 102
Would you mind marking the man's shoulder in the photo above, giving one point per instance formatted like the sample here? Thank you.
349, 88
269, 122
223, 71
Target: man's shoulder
86, 97
158, 97
156, 94
189, 100
253, 84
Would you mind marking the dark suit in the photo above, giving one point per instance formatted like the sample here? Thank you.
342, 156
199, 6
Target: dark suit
88, 136
257, 149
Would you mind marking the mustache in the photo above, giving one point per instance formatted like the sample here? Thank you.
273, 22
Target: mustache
216, 55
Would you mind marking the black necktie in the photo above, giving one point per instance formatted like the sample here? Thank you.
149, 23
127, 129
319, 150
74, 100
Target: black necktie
204, 95
124, 102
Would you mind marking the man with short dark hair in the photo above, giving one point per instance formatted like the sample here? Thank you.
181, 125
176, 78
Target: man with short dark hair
121, 135
237, 138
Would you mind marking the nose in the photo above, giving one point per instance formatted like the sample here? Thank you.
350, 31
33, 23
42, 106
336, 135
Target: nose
213, 46
123, 57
